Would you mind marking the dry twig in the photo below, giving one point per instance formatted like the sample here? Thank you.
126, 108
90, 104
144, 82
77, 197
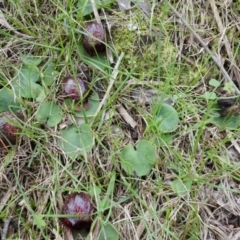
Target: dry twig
224, 72
126, 116
225, 40
95, 11
112, 79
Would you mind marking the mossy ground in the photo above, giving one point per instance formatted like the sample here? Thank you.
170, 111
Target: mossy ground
160, 54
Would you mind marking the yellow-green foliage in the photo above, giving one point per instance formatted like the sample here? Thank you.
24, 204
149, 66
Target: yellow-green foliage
156, 58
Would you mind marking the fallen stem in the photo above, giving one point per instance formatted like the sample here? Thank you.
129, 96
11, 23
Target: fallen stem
224, 72
112, 80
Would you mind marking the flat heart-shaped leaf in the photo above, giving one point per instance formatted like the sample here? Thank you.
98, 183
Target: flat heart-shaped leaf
140, 160
38, 221
49, 73
7, 100
76, 140
24, 83
49, 113
108, 232
86, 6
166, 118
181, 187
94, 102
231, 122
31, 60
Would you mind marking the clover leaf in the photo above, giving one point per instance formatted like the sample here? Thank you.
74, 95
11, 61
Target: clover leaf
230, 122
108, 232
181, 187
7, 100
76, 140
93, 102
31, 60
49, 113
85, 6
49, 73
166, 118
141, 160
24, 82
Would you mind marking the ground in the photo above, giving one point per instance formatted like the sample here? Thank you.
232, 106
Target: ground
154, 104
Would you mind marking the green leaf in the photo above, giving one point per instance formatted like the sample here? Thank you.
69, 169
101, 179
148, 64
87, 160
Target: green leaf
76, 140
209, 95
215, 83
229, 88
140, 160
94, 102
24, 83
108, 232
41, 96
181, 187
164, 140
38, 221
166, 118
49, 73
230, 122
94, 190
86, 6
7, 100
49, 113
30, 60
99, 62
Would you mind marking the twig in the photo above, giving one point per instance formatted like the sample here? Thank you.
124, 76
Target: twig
126, 116
225, 39
224, 72
5, 228
95, 11
112, 79
142, 224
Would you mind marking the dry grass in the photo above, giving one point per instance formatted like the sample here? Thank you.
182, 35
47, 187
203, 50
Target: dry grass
36, 175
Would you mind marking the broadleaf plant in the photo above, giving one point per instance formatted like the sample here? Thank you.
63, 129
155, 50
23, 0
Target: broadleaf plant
76, 140
7, 100
165, 117
108, 232
139, 160
49, 113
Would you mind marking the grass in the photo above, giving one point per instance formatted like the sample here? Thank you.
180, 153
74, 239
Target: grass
192, 190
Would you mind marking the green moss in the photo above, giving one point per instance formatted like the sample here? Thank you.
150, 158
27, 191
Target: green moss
156, 57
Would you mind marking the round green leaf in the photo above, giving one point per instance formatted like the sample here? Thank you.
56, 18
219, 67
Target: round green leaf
49, 73
209, 95
76, 139
31, 60
94, 102
215, 83
85, 6
181, 187
231, 122
49, 113
108, 232
24, 82
7, 100
166, 118
141, 160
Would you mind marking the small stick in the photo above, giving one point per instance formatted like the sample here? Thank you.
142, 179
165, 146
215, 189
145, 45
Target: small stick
226, 41
112, 80
95, 11
142, 224
5, 228
126, 116
224, 72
